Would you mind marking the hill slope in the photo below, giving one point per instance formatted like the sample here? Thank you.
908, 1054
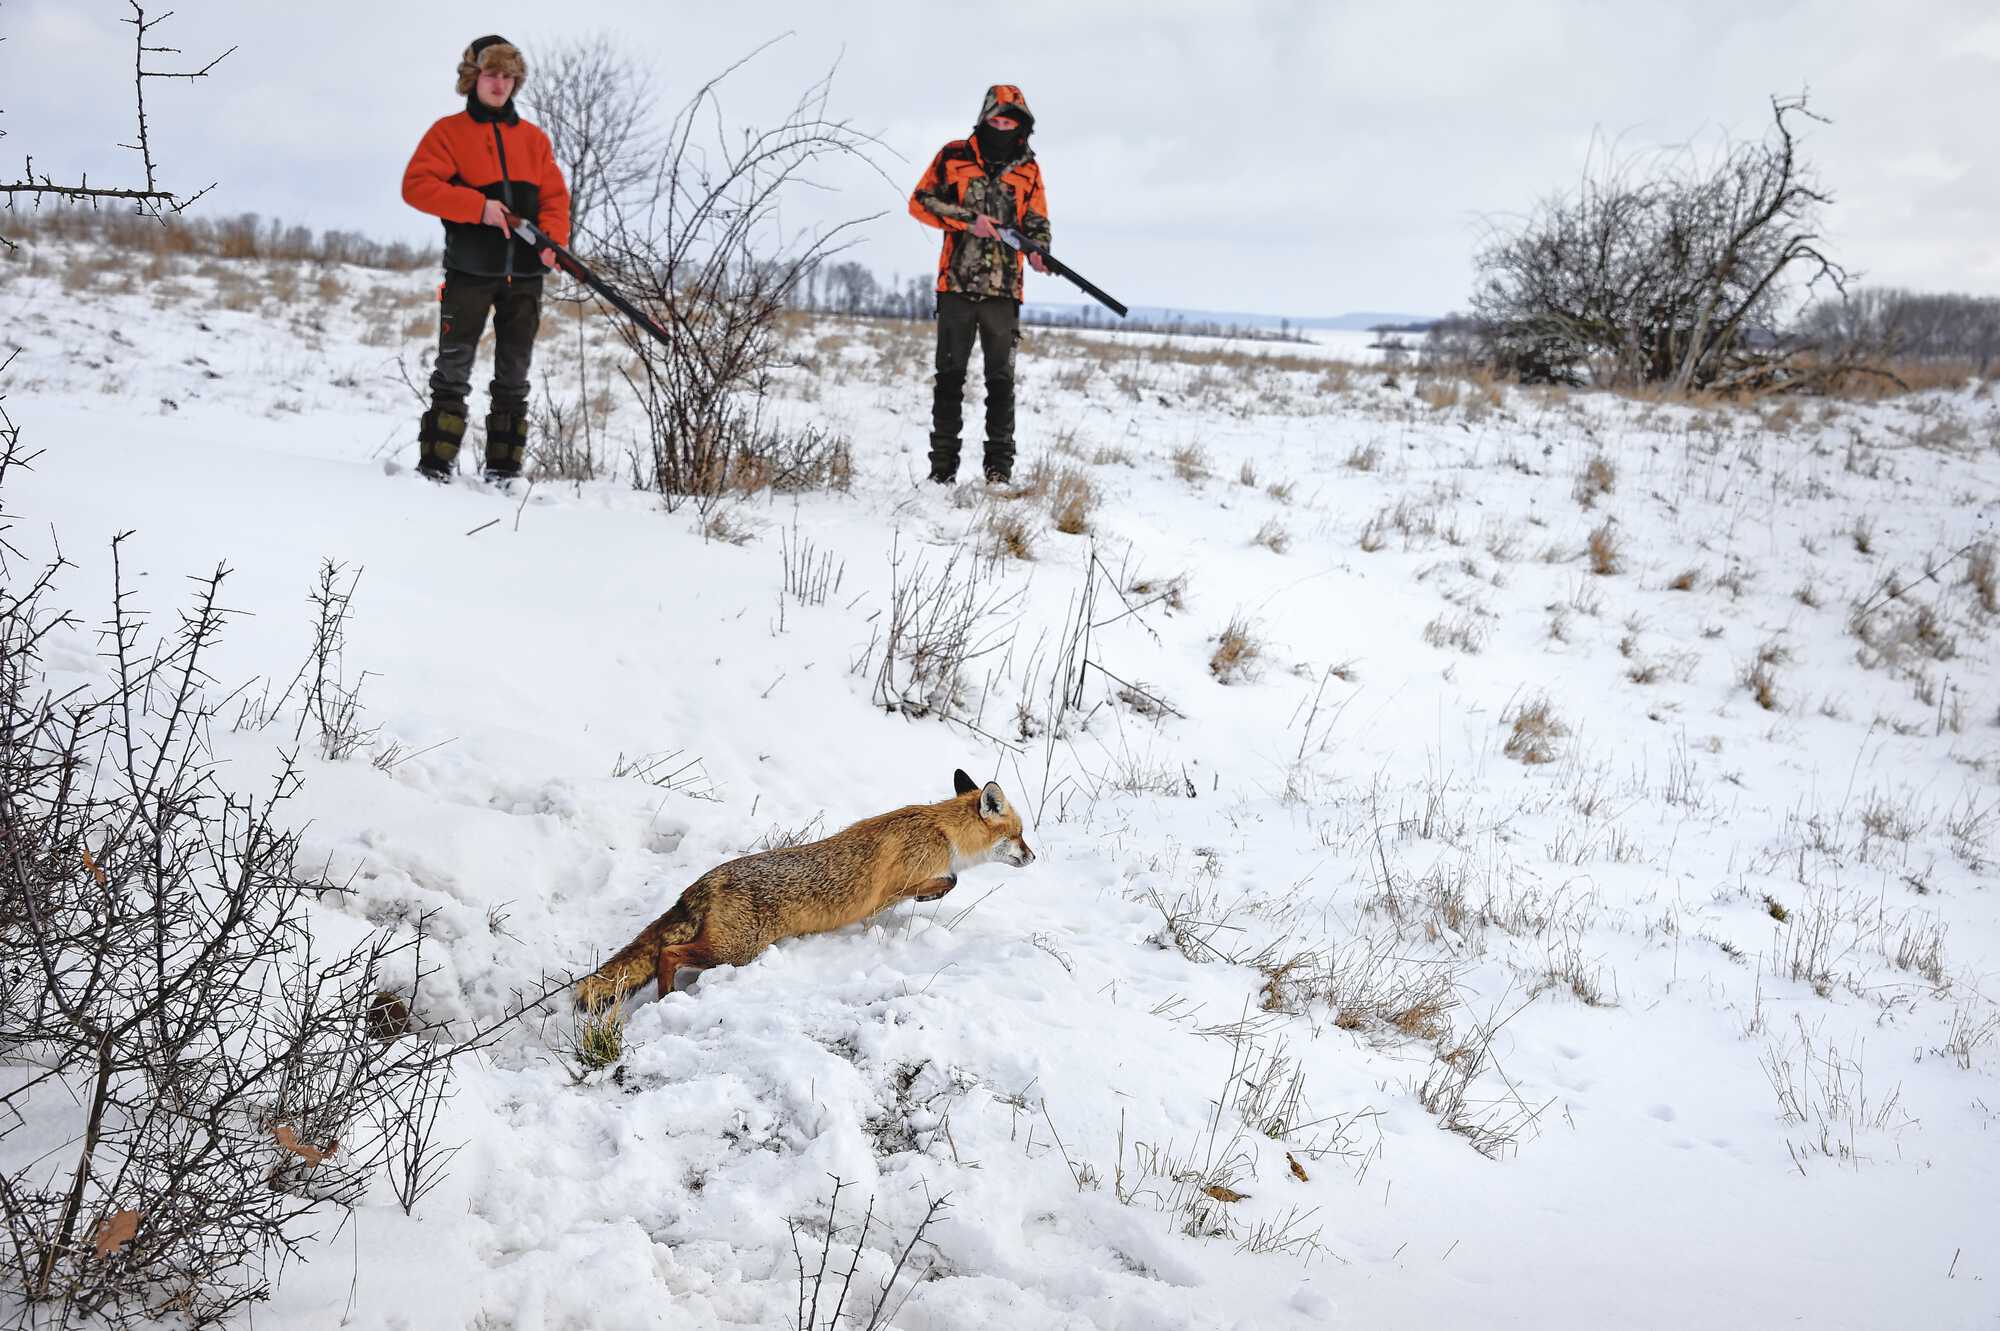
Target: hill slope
1468, 1039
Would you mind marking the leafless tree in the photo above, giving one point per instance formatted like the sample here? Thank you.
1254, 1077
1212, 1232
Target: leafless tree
151, 196
708, 253
1662, 269
599, 106
1886, 324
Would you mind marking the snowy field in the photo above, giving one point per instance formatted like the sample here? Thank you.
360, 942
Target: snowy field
1552, 905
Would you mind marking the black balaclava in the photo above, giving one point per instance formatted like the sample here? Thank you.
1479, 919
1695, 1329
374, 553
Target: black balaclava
1000, 145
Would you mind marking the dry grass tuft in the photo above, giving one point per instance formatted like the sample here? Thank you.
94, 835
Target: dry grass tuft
1365, 457
1190, 463
1535, 730
1982, 574
1685, 581
1009, 534
1603, 549
1247, 474
1273, 537
1280, 491
1170, 592
722, 525
1597, 478
1760, 676
600, 1038
1236, 653
1438, 394
1071, 500
1464, 631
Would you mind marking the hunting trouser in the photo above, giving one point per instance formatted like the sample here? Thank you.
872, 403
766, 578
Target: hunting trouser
996, 323
463, 304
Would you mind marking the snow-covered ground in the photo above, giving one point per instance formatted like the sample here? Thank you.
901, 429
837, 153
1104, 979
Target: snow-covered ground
1471, 1041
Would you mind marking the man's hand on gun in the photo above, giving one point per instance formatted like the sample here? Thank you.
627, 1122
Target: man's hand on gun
989, 229
512, 223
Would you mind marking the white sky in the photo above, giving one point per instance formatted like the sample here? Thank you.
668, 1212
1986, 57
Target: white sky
1285, 156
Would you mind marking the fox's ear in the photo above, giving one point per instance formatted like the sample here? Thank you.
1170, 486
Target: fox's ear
962, 784
992, 803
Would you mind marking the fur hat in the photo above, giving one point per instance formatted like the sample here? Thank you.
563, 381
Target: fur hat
494, 53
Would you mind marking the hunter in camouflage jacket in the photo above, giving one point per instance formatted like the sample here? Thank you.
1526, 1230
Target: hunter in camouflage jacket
993, 174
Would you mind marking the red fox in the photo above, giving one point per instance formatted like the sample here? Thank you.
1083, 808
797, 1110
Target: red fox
736, 910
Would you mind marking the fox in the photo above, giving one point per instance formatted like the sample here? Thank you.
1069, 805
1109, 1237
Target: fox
733, 912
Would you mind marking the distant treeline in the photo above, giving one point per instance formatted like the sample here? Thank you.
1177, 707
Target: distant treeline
244, 236
1868, 325
1893, 324
851, 288
846, 287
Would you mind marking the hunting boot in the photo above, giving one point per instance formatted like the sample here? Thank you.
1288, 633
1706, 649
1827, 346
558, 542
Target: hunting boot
439, 434
944, 458
506, 443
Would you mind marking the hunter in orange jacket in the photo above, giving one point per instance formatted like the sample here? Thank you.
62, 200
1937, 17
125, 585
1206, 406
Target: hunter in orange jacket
484, 153
974, 187
472, 169
994, 173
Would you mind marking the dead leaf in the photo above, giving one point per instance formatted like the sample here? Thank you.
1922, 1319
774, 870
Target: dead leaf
311, 1154
92, 865
1222, 1194
1298, 1170
115, 1231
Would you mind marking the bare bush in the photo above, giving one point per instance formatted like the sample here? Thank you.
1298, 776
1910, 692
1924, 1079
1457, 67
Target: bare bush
201, 1081
938, 625
813, 1288
1660, 270
810, 572
708, 257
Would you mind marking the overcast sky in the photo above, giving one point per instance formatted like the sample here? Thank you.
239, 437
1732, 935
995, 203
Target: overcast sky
1299, 157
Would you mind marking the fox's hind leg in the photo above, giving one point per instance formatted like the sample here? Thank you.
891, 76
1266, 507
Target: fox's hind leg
694, 954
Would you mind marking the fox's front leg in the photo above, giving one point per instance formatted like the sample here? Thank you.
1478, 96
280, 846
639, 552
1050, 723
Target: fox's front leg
933, 888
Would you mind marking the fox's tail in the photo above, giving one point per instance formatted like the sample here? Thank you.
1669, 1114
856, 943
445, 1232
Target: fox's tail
637, 964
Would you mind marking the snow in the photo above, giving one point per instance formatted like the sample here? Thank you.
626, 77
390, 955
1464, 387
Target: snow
1029, 1042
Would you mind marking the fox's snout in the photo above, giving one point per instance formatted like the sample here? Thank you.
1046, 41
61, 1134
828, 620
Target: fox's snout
1019, 855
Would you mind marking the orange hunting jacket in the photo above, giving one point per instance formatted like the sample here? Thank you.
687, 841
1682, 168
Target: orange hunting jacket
466, 159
